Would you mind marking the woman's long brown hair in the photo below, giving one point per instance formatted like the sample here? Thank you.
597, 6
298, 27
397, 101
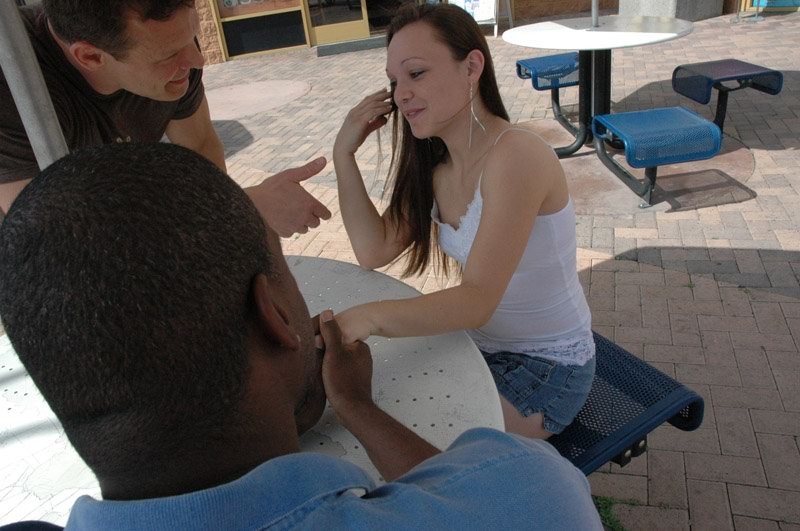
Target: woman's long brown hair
412, 165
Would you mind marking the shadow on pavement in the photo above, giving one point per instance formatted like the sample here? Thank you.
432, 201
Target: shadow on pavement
20, 433
668, 289
235, 137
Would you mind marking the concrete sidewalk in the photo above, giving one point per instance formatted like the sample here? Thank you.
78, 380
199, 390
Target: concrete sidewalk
704, 284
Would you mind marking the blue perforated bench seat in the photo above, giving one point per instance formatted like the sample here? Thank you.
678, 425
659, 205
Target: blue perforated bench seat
696, 80
655, 137
551, 71
629, 399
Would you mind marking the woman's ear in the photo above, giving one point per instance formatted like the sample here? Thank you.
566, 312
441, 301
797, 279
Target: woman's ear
271, 316
475, 63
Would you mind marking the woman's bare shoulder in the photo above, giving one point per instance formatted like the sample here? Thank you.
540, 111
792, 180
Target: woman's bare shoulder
519, 150
522, 135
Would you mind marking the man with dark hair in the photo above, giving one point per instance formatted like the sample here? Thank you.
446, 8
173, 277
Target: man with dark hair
157, 316
131, 71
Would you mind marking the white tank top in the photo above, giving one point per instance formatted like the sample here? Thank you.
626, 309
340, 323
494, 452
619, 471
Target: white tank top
543, 311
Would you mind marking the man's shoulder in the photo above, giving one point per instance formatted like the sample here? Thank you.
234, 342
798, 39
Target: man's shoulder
488, 479
486, 450
31, 14
35, 22
485, 480
477, 438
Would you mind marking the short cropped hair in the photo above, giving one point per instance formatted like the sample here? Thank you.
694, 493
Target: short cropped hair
104, 23
125, 275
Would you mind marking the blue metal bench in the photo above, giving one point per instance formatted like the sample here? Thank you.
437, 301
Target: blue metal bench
628, 400
553, 72
652, 138
696, 80
31, 525
550, 72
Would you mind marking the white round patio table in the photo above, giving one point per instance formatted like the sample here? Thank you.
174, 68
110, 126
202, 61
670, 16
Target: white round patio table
437, 386
41, 475
594, 47
613, 31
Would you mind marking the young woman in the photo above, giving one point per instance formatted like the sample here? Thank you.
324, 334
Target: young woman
470, 187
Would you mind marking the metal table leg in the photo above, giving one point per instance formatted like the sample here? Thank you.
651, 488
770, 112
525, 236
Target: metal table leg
601, 92
642, 189
584, 130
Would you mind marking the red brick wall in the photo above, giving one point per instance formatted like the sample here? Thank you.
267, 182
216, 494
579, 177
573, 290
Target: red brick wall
528, 9
209, 34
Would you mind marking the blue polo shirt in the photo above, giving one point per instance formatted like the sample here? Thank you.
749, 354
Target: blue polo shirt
485, 480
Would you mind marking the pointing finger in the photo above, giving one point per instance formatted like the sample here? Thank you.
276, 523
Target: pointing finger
307, 170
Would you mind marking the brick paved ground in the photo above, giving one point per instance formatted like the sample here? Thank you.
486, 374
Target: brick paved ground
709, 295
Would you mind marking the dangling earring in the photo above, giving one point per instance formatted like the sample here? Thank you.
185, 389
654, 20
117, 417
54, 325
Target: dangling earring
472, 117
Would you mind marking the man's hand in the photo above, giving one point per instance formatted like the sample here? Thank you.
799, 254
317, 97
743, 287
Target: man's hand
346, 369
347, 376
285, 205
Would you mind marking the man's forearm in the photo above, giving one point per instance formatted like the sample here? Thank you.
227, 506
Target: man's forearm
392, 448
213, 150
198, 134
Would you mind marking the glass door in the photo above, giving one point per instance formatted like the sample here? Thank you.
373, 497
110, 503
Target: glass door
252, 26
337, 20
380, 12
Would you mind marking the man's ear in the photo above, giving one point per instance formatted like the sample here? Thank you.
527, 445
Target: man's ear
271, 314
87, 55
475, 62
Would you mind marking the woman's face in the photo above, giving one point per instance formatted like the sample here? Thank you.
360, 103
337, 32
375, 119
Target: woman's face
430, 88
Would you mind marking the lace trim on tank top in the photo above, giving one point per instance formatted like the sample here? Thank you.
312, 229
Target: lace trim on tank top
458, 241
468, 223
576, 350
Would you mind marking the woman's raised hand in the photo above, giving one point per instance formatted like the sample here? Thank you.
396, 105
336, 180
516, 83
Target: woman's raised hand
362, 120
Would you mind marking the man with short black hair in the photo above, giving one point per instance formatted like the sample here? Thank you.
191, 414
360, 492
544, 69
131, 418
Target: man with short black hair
157, 316
131, 71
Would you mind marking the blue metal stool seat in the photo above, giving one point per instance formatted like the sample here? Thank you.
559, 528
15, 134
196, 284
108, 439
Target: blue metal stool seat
553, 72
652, 138
696, 80
629, 399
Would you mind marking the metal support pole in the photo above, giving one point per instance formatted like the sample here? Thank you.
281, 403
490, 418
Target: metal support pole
595, 14
583, 133
722, 108
642, 189
601, 79
757, 17
24, 77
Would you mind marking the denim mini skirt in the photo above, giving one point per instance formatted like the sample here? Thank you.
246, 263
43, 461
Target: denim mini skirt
540, 385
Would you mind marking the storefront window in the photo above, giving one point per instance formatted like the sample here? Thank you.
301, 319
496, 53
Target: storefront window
325, 12
250, 26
